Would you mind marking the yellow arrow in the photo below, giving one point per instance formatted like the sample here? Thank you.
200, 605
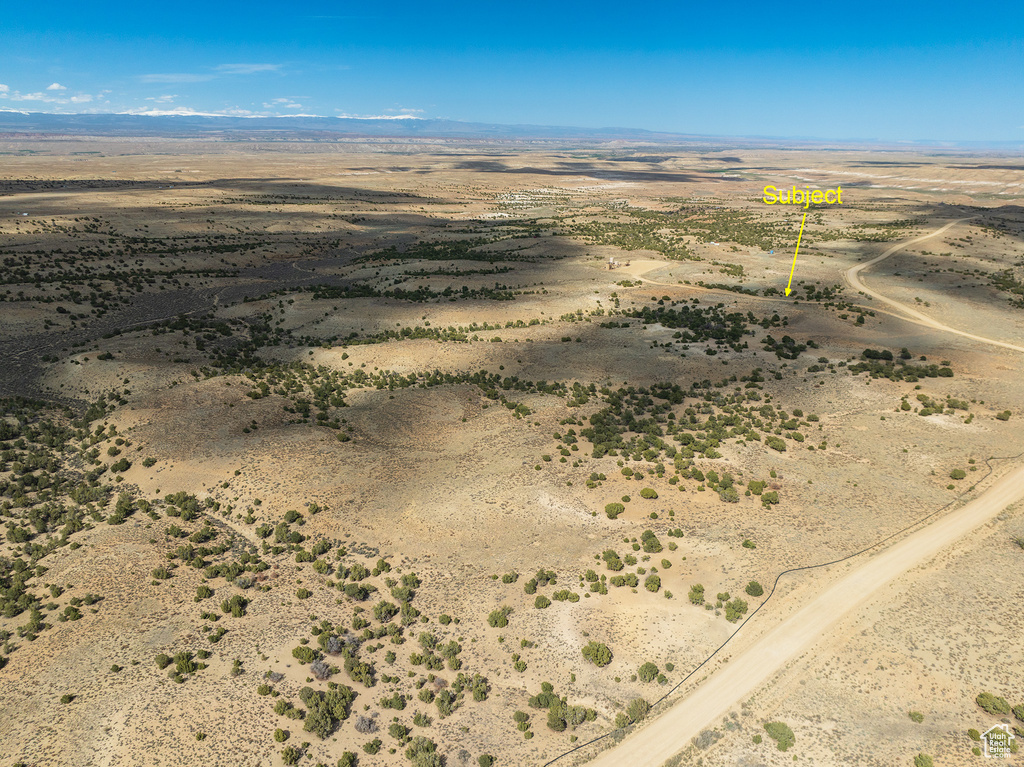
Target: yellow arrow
793, 268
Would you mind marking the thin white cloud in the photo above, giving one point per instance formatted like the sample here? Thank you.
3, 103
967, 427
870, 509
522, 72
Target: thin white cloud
405, 111
176, 111
188, 112
56, 87
247, 69
175, 77
4, 88
281, 104
44, 97
346, 116
39, 96
165, 99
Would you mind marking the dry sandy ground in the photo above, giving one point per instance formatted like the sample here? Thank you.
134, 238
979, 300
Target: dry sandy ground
448, 488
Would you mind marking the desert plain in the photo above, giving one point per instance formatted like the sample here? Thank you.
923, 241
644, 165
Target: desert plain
343, 452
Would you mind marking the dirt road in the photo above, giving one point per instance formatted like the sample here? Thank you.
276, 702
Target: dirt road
853, 279
745, 672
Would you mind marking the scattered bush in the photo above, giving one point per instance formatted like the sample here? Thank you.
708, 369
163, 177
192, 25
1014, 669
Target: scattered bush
993, 704
735, 609
598, 654
647, 672
637, 710
612, 510
651, 544
781, 734
648, 493
754, 589
499, 618
612, 561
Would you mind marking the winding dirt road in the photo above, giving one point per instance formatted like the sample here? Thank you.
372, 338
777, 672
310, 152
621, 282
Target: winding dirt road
853, 279
755, 664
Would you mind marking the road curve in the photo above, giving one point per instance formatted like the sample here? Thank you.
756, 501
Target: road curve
751, 667
746, 671
853, 279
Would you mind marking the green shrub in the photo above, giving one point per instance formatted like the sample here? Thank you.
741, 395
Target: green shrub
648, 493
781, 734
769, 498
281, 735
697, 594
916, 716
373, 746
499, 618
598, 654
612, 510
541, 602
647, 672
735, 609
304, 654
754, 589
637, 709
993, 704
957, 474
651, 544
923, 760
163, 661
775, 444
612, 561
652, 583
1004, 416
729, 494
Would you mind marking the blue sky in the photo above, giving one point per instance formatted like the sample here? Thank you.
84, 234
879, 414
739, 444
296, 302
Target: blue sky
890, 71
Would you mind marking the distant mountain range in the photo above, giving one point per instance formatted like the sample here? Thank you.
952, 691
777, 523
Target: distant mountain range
195, 125
316, 127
